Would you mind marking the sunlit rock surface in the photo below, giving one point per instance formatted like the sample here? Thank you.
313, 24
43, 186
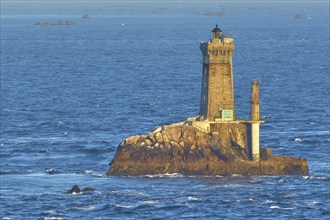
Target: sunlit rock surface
186, 150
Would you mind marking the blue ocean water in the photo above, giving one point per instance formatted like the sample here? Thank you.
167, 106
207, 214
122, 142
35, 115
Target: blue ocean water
70, 94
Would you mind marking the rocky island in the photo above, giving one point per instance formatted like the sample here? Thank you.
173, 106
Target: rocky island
214, 142
59, 23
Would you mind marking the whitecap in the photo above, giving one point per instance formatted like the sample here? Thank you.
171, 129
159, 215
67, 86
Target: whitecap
290, 195
318, 177
53, 218
151, 202
92, 172
269, 201
313, 203
274, 207
86, 208
124, 206
290, 208
164, 175
51, 211
190, 198
297, 140
321, 177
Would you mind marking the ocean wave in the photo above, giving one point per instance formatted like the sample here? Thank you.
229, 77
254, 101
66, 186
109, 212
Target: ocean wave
290, 195
163, 175
52, 218
129, 193
86, 208
297, 140
92, 172
278, 207
269, 201
190, 198
316, 177
274, 207
16, 172
124, 206
151, 202
311, 203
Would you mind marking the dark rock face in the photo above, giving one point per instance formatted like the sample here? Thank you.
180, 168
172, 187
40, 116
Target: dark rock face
183, 149
75, 190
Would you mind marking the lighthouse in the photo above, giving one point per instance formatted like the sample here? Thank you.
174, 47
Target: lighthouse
217, 104
217, 95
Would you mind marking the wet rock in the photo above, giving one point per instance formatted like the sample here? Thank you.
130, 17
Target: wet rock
87, 190
51, 171
74, 190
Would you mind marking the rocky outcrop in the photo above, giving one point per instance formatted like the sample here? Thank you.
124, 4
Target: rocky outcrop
86, 16
75, 190
186, 150
59, 23
300, 16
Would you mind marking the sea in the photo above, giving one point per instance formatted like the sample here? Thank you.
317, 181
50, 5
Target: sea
71, 93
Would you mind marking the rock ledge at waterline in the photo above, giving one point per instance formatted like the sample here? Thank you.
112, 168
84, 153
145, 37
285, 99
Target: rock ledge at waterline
181, 148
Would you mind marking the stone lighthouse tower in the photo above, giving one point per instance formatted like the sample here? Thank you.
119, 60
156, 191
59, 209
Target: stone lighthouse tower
217, 96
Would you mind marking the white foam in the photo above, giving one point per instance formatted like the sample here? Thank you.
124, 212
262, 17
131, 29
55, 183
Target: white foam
124, 206
269, 201
165, 175
150, 202
297, 140
313, 203
51, 211
53, 218
315, 177
87, 208
274, 207
190, 198
92, 172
